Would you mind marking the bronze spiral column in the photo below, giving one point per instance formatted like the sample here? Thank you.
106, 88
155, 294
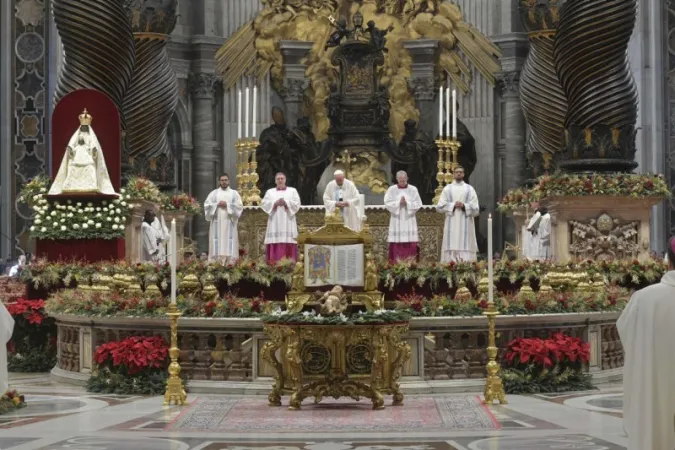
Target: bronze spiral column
541, 95
591, 61
99, 48
153, 94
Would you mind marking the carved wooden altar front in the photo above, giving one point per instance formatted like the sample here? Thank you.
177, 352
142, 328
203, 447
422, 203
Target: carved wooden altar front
336, 361
253, 223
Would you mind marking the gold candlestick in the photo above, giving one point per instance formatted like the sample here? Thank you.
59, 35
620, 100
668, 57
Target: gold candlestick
494, 389
440, 176
245, 165
253, 177
453, 150
175, 390
240, 163
447, 175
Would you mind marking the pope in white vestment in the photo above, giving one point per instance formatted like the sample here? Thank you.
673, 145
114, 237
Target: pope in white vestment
83, 168
537, 245
6, 330
281, 203
162, 232
149, 239
459, 203
647, 335
223, 208
341, 194
402, 201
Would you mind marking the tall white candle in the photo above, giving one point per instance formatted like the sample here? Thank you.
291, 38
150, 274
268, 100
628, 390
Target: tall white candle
447, 113
440, 112
239, 115
246, 135
255, 110
454, 114
491, 281
173, 260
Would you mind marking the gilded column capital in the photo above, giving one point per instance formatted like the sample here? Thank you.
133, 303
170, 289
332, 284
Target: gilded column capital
203, 85
294, 89
422, 88
541, 17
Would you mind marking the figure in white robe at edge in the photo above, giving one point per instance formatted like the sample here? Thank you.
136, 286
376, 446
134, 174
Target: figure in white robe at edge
162, 233
341, 194
6, 330
223, 208
647, 335
459, 203
150, 241
281, 203
537, 245
402, 201
83, 168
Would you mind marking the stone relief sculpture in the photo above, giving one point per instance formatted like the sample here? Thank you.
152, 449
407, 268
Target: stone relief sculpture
604, 238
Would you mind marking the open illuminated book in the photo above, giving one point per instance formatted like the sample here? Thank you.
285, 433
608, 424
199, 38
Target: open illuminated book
333, 264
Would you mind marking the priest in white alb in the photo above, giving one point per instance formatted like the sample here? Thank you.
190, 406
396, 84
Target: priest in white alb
341, 195
402, 201
223, 208
150, 240
159, 225
83, 169
459, 203
647, 335
6, 330
537, 245
282, 204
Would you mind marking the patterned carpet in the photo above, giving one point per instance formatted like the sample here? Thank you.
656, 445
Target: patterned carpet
451, 413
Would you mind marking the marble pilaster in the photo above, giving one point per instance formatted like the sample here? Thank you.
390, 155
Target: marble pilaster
295, 81
6, 96
424, 54
205, 159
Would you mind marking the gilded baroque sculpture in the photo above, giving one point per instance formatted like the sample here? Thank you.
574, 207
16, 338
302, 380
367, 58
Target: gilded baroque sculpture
334, 301
604, 238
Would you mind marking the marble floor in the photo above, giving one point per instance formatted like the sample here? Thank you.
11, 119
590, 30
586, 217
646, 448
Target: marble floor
66, 417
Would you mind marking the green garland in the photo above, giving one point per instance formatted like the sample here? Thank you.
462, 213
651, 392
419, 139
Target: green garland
365, 318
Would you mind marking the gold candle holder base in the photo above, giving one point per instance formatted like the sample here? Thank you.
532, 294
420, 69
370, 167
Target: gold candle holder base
494, 389
175, 390
253, 177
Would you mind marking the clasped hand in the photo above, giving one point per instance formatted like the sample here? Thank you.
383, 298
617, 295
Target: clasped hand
280, 202
459, 205
403, 201
222, 204
341, 204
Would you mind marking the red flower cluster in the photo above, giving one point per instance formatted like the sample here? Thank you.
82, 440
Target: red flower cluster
32, 310
558, 349
413, 300
135, 353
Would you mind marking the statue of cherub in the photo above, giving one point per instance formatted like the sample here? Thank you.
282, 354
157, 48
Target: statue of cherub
333, 301
371, 279
298, 277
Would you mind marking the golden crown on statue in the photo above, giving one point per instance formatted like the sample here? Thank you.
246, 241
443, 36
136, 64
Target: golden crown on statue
85, 118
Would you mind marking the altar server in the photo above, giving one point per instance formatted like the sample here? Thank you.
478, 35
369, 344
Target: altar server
341, 194
402, 201
538, 235
162, 234
6, 329
281, 203
222, 209
459, 203
149, 239
16, 269
647, 335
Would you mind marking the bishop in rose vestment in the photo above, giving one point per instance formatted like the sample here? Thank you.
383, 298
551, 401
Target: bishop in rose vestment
459, 203
342, 195
6, 330
281, 204
222, 209
647, 335
402, 201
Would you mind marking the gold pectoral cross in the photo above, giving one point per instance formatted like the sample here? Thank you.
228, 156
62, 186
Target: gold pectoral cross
347, 160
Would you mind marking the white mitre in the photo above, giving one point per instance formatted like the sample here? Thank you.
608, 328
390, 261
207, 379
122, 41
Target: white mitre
96, 182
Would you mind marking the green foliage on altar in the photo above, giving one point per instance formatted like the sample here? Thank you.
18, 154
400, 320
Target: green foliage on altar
378, 317
571, 185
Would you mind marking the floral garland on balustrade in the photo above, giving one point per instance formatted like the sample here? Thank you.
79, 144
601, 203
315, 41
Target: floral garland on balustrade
630, 274
568, 185
139, 188
72, 219
181, 202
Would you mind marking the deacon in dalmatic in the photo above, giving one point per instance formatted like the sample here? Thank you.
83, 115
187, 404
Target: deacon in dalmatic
281, 203
459, 203
222, 209
647, 333
6, 330
150, 239
402, 201
537, 245
341, 195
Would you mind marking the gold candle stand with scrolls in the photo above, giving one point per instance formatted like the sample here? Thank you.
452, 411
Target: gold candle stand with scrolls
175, 389
253, 177
448, 150
494, 388
242, 169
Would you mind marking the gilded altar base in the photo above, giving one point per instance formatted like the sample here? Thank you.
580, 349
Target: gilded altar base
336, 361
253, 223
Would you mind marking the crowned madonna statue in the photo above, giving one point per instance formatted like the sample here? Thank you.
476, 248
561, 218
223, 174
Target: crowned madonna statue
83, 169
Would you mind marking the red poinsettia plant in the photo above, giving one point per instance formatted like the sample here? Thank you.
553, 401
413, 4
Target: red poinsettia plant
559, 349
31, 310
134, 354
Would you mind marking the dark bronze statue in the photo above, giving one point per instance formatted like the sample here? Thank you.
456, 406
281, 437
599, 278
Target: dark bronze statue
313, 161
421, 156
274, 154
377, 36
466, 157
340, 33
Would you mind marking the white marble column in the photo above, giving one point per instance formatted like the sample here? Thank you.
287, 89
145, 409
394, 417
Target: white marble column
6, 101
206, 151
